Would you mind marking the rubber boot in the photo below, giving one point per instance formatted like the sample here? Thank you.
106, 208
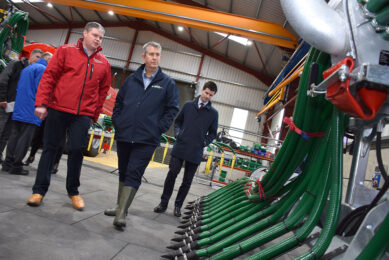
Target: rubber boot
112, 212
128, 194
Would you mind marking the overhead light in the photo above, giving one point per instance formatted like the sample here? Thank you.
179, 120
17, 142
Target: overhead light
49, 5
180, 28
238, 39
110, 12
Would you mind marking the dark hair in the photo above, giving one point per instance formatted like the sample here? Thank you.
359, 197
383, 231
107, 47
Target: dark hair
96, 25
211, 86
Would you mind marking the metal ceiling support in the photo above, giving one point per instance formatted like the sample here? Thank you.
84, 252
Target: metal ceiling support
79, 14
71, 14
61, 14
260, 57
195, 17
200, 67
68, 35
192, 3
118, 17
131, 49
99, 15
219, 41
139, 25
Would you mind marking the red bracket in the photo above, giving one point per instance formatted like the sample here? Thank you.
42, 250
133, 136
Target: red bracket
367, 101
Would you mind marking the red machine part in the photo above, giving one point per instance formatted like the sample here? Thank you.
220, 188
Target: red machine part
109, 102
367, 101
27, 49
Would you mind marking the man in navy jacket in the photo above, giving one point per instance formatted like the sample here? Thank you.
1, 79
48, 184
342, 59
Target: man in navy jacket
195, 128
145, 107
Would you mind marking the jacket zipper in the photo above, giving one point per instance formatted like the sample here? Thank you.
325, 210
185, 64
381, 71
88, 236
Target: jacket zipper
83, 86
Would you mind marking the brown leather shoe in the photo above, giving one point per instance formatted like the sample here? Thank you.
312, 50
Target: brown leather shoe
78, 202
35, 200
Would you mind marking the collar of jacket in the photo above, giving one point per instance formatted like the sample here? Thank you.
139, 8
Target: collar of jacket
196, 103
139, 73
42, 61
79, 45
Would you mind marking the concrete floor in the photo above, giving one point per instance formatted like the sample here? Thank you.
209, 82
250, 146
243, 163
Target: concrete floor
56, 231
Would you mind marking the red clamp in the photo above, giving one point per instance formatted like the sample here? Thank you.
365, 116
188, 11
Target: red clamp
367, 101
305, 135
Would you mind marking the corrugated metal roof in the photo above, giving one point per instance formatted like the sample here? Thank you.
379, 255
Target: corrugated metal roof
266, 10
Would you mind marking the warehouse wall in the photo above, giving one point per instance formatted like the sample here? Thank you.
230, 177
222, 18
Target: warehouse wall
235, 87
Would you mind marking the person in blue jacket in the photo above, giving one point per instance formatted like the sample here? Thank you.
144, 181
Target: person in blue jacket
195, 128
24, 122
145, 107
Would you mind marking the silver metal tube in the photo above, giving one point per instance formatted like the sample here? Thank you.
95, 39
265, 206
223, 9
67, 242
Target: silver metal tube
318, 24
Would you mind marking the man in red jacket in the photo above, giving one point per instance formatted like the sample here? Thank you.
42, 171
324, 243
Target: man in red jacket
70, 96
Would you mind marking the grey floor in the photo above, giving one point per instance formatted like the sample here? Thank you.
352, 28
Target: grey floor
56, 231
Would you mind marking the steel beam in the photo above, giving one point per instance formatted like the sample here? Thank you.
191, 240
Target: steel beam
191, 16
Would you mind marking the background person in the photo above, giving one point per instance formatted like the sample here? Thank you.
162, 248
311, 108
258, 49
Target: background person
9, 78
24, 121
195, 128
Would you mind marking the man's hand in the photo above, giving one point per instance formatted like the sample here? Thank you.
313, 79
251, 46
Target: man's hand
41, 112
3, 104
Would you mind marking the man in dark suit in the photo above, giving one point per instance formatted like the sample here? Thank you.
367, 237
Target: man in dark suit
195, 128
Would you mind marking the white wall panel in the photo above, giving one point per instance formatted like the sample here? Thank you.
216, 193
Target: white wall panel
123, 33
116, 49
53, 37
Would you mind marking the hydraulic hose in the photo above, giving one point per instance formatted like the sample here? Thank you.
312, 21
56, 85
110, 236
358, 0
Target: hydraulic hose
377, 246
328, 230
16, 27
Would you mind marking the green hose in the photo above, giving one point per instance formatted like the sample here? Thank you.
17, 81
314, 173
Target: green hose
377, 246
14, 30
375, 6
382, 17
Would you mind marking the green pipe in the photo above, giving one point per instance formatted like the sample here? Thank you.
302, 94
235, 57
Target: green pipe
305, 230
298, 214
328, 230
279, 207
382, 17
226, 208
375, 6
385, 34
379, 243
311, 121
225, 222
226, 145
277, 170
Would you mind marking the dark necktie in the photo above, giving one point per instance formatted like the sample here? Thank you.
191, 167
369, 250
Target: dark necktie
201, 105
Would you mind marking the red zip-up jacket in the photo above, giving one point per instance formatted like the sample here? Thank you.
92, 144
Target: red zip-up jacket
75, 83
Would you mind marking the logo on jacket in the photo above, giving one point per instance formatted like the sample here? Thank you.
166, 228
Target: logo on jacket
97, 60
156, 86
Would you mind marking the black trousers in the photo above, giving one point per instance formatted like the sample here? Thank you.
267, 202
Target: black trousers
18, 143
5, 128
133, 159
57, 123
174, 169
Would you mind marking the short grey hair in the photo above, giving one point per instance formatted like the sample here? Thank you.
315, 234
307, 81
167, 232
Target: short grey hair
36, 51
47, 54
89, 26
153, 44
